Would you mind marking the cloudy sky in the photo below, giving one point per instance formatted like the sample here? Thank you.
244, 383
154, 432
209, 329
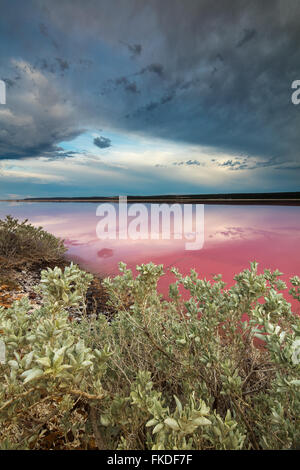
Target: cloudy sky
109, 97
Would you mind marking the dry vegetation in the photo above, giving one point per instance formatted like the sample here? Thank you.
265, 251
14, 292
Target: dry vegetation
22, 244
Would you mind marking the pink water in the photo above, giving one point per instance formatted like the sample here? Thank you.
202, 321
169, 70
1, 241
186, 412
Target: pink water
234, 236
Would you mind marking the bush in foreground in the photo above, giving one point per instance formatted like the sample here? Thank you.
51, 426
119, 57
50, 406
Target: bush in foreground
162, 374
22, 244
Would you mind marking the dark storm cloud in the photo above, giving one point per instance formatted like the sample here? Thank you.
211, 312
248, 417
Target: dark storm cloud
248, 35
167, 97
21, 150
44, 31
231, 164
134, 49
246, 164
237, 165
189, 163
151, 106
123, 82
102, 142
154, 105
216, 74
52, 66
128, 86
63, 64
157, 69
193, 162
132, 87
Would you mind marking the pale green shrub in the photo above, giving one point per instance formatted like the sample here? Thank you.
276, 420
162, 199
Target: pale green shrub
162, 374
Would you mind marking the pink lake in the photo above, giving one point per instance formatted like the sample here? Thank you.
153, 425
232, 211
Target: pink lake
234, 235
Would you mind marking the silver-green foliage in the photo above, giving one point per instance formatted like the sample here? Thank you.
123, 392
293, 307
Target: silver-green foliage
182, 373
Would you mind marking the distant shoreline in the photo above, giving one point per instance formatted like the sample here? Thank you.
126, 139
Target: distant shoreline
291, 198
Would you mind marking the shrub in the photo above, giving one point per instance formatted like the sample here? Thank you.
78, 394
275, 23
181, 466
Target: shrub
23, 244
162, 374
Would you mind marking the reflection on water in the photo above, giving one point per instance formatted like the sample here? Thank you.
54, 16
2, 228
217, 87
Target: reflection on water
234, 235
105, 253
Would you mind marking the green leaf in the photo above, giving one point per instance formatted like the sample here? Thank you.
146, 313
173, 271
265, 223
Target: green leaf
172, 423
44, 361
32, 374
104, 420
13, 364
152, 422
178, 404
201, 421
295, 382
157, 428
